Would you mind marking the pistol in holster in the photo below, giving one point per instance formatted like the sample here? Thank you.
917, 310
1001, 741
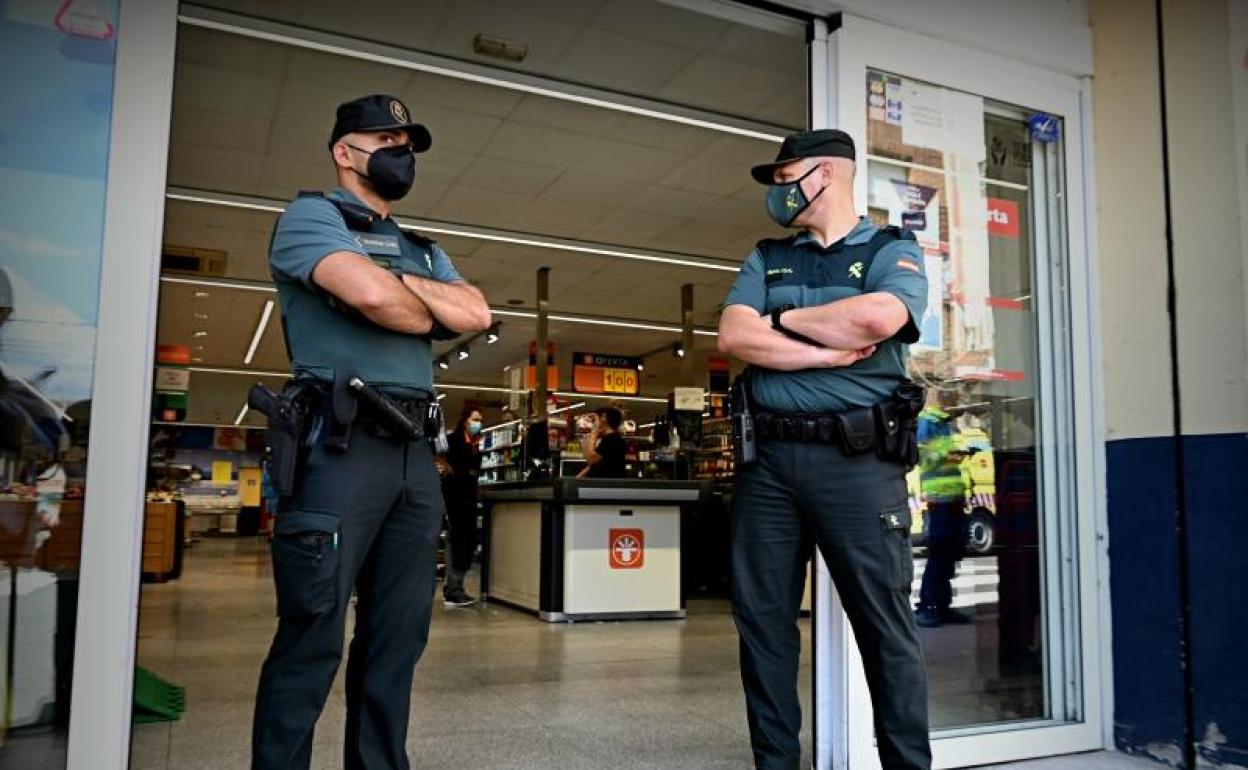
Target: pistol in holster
744, 442
896, 424
287, 413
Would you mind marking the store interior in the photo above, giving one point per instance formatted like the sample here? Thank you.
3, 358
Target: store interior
608, 143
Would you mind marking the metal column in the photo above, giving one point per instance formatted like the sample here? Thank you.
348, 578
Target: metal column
686, 334
543, 323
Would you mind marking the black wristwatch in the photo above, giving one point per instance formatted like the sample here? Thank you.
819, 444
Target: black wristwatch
775, 324
775, 319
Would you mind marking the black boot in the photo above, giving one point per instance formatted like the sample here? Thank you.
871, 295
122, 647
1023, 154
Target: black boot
453, 593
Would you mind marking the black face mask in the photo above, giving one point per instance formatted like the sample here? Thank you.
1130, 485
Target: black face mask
391, 170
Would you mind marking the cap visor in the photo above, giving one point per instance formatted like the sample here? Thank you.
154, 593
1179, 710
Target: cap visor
417, 134
766, 173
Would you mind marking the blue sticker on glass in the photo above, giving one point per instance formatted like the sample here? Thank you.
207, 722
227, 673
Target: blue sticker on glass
1044, 127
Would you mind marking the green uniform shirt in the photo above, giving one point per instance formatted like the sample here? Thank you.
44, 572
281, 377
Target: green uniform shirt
322, 340
800, 272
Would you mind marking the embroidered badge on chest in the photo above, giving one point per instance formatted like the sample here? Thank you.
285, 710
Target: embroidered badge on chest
855, 270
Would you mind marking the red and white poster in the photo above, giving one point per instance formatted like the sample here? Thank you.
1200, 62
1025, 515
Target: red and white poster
1003, 218
627, 548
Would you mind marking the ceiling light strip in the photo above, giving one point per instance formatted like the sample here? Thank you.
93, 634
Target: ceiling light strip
247, 372
562, 245
439, 386
507, 312
473, 232
608, 397
240, 285
259, 333
173, 424
481, 388
354, 48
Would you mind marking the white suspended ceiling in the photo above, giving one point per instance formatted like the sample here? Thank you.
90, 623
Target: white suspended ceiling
251, 118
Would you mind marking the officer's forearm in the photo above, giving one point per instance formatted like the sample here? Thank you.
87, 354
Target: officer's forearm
748, 336
353, 279
404, 314
852, 323
458, 306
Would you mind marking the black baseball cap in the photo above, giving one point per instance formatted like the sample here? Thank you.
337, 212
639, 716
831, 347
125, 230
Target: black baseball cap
823, 143
379, 113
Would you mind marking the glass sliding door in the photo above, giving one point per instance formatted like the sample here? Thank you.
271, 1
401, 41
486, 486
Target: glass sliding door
973, 158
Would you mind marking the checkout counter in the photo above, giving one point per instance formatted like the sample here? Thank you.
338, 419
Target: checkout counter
588, 549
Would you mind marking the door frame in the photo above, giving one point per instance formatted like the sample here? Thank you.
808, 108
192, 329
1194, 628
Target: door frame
112, 537
843, 731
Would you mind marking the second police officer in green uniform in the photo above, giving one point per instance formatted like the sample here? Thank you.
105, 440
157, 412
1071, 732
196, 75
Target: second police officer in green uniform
361, 301
824, 318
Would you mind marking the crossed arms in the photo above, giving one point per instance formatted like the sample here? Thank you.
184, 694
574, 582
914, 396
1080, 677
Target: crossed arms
848, 330
410, 306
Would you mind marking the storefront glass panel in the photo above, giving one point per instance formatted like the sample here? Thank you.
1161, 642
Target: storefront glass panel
54, 135
957, 171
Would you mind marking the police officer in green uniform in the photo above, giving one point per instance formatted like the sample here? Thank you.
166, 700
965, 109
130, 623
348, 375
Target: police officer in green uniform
361, 301
824, 318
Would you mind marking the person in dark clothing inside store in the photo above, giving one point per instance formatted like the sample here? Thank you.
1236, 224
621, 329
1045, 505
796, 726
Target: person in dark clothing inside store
361, 302
459, 489
605, 448
824, 318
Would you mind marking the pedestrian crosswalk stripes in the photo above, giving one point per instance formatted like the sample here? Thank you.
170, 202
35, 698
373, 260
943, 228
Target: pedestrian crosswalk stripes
974, 584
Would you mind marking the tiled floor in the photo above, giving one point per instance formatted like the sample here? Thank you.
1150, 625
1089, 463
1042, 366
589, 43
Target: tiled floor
496, 688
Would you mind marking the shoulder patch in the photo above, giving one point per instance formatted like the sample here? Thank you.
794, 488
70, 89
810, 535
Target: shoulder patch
906, 264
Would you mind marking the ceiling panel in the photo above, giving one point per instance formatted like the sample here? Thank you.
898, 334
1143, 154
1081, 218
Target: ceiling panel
340, 73
643, 47
435, 90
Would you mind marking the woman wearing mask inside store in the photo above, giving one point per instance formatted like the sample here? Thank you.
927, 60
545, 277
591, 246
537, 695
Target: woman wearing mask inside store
461, 469
605, 447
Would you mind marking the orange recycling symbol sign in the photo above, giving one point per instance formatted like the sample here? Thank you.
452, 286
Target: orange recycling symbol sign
627, 548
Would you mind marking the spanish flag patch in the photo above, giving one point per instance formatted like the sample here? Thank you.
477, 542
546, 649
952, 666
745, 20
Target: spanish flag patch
908, 265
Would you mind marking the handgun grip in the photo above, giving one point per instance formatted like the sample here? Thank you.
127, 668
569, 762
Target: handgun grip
262, 398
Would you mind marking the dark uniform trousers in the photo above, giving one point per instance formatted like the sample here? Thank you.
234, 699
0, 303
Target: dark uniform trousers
382, 500
946, 545
854, 509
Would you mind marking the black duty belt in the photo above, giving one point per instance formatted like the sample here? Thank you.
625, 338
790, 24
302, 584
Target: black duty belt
369, 417
853, 431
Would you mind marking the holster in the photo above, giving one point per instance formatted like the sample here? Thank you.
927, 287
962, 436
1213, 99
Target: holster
284, 439
744, 441
343, 409
896, 425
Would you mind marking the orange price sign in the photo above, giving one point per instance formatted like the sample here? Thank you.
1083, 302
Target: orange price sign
606, 374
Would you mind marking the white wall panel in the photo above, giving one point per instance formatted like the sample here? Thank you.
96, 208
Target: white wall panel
1209, 268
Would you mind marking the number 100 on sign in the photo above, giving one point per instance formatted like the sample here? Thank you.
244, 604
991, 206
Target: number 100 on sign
620, 382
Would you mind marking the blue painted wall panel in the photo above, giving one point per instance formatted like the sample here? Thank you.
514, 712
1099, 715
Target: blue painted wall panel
1217, 503
1144, 587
